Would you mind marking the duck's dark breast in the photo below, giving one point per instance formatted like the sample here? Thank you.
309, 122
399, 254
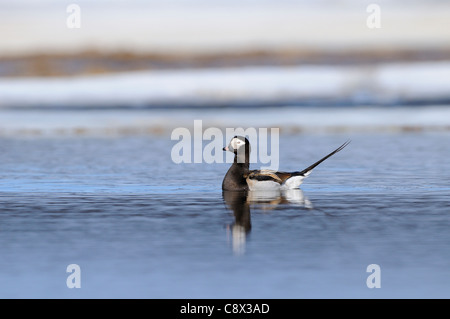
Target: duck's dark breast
234, 179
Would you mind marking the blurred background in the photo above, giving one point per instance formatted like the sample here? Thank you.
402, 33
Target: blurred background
146, 67
90, 92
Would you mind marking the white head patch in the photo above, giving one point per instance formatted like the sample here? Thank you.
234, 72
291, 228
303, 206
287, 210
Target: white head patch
236, 143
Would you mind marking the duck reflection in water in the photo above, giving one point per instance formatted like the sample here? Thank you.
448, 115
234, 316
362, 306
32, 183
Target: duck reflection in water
236, 201
240, 202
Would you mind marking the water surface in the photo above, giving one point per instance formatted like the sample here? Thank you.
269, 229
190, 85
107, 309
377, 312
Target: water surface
140, 226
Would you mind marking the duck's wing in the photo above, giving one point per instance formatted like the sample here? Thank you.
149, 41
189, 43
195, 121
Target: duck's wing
264, 175
268, 175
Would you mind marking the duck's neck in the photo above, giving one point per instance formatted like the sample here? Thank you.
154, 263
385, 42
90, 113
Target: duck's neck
242, 162
234, 179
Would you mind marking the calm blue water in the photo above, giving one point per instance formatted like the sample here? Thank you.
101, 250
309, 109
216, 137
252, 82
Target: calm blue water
140, 226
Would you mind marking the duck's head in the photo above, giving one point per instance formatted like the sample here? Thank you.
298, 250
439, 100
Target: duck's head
238, 145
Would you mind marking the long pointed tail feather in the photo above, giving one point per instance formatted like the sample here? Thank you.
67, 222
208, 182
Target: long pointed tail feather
308, 170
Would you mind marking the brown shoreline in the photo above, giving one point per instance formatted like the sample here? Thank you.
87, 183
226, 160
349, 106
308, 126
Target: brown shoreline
95, 62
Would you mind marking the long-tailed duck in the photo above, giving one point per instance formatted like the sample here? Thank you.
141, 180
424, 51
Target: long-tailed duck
239, 177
